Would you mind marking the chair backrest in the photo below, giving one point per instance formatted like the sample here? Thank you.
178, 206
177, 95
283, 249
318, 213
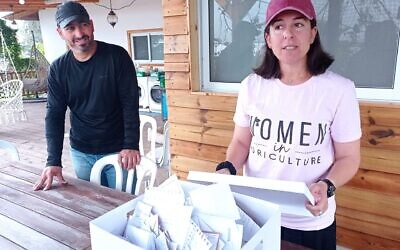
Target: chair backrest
148, 131
11, 149
146, 169
95, 174
163, 155
11, 106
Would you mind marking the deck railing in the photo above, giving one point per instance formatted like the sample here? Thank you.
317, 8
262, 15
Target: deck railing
30, 74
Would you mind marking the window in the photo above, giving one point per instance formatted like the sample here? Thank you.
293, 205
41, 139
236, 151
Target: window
231, 41
146, 46
362, 35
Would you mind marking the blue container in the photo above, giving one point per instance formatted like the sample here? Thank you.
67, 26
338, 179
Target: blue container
164, 108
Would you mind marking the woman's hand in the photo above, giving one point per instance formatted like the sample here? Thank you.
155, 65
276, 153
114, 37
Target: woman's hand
319, 191
223, 171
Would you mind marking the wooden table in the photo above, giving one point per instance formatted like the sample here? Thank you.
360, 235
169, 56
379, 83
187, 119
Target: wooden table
57, 218
54, 219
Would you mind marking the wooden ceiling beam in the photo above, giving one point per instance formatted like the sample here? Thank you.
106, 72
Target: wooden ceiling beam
23, 8
5, 5
29, 10
26, 13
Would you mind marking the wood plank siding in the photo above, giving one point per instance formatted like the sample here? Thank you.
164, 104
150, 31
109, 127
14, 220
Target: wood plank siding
201, 127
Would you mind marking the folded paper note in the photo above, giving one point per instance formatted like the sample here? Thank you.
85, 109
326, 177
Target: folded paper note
291, 196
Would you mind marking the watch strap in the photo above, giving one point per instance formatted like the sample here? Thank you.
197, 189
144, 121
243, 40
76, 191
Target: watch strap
331, 187
228, 165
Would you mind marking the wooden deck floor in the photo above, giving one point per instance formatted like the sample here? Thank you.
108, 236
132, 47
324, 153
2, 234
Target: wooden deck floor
29, 137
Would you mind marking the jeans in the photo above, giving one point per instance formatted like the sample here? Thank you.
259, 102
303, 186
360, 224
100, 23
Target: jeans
83, 164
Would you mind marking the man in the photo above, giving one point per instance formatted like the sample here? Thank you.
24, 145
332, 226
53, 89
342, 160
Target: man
97, 82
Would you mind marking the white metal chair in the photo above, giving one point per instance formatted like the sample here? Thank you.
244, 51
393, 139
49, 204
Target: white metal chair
10, 148
146, 169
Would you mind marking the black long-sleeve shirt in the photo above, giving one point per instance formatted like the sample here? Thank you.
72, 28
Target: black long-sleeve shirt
102, 95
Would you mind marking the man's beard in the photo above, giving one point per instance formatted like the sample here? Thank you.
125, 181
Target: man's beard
82, 47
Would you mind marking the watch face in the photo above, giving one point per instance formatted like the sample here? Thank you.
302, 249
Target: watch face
331, 190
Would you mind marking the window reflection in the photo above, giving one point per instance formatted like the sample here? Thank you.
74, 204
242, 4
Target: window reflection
157, 47
236, 38
362, 35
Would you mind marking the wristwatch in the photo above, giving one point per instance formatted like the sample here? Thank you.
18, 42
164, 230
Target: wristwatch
331, 188
228, 165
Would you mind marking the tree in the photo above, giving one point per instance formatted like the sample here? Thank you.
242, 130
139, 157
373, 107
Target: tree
25, 38
10, 37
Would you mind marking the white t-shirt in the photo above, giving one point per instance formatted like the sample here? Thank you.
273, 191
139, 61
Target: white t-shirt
293, 129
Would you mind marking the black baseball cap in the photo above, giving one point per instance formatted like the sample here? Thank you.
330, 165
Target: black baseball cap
70, 11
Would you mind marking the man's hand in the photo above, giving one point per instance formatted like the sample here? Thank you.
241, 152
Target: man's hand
129, 158
47, 178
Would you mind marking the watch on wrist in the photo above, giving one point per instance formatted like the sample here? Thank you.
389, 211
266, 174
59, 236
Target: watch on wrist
228, 165
331, 188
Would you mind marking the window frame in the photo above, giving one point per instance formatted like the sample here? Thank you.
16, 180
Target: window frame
367, 94
381, 94
148, 33
204, 56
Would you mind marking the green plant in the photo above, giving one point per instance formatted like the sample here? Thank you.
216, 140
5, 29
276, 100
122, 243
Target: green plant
10, 37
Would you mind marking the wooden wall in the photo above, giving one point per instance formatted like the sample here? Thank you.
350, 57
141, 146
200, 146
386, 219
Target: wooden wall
201, 126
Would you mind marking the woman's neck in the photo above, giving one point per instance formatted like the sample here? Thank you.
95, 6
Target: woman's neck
292, 75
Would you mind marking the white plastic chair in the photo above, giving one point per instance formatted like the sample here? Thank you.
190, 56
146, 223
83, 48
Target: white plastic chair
146, 168
148, 127
162, 153
10, 148
146, 171
95, 174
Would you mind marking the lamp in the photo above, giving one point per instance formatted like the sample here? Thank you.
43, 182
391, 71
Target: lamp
21, 1
112, 18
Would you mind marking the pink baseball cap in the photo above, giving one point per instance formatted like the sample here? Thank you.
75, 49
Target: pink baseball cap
276, 7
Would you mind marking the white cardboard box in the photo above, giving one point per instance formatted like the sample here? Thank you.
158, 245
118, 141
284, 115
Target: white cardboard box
291, 196
105, 230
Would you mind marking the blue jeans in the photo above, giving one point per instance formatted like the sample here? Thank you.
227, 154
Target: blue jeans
83, 164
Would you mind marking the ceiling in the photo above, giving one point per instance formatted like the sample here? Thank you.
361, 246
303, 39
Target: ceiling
29, 10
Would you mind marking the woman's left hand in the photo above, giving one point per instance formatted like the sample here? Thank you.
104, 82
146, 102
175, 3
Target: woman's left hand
319, 191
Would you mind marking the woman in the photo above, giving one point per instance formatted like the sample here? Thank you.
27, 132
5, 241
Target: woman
297, 121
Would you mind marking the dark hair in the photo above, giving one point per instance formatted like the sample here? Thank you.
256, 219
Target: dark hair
317, 59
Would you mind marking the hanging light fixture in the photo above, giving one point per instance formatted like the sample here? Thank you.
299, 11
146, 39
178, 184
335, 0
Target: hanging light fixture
21, 2
112, 18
